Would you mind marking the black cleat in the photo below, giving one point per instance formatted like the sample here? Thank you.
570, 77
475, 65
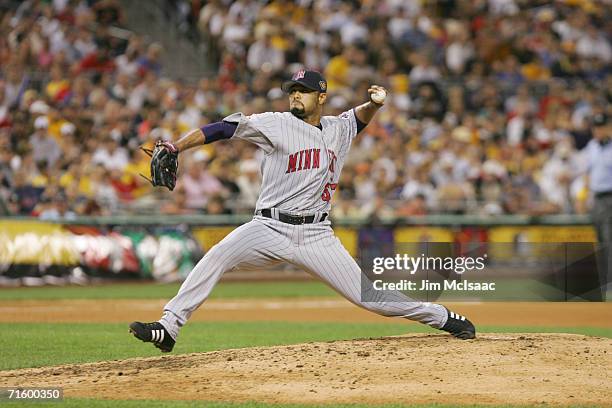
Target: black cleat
154, 333
459, 326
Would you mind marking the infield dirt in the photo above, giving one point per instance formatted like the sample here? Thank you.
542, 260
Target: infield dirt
557, 369
543, 314
530, 368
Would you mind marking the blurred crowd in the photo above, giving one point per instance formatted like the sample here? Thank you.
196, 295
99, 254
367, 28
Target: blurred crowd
491, 103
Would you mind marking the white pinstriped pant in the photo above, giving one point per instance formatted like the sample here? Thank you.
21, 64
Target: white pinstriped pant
264, 242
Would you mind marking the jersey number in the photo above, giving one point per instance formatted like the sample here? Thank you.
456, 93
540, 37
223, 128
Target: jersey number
326, 196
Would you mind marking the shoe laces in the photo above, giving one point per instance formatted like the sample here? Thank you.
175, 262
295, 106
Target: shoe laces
153, 325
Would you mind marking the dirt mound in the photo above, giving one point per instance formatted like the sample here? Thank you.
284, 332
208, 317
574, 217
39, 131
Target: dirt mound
495, 368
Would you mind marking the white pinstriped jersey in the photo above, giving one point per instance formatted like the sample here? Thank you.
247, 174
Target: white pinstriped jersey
302, 163
301, 169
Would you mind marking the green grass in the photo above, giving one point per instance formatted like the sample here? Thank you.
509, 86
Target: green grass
225, 290
509, 291
42, 344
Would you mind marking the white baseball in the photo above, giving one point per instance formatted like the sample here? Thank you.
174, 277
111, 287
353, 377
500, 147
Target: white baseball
379, 96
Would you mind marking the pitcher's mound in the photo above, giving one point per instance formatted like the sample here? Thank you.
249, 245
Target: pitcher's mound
495, 368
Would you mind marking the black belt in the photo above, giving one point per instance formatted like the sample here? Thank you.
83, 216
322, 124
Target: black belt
292, 219
603, 194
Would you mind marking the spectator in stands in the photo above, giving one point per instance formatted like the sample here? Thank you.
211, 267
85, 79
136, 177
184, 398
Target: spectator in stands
508, 81
199, 184
423, 70
264, 56
99, 61
54, 207
4, 107
108, 12
102, 191
599, 157
110, 155
249, 183
25, 195
415, 206
150, 61
16, 83
216, 206
44, 147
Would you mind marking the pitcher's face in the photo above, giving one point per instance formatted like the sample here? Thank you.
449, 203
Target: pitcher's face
303, 101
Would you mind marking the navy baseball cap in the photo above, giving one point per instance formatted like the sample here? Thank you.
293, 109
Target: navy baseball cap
599, 119
309, 79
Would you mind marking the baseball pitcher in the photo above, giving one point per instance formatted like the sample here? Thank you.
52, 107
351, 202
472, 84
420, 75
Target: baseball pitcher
304, 155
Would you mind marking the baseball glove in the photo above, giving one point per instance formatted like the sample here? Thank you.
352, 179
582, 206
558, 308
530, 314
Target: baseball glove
164, 164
